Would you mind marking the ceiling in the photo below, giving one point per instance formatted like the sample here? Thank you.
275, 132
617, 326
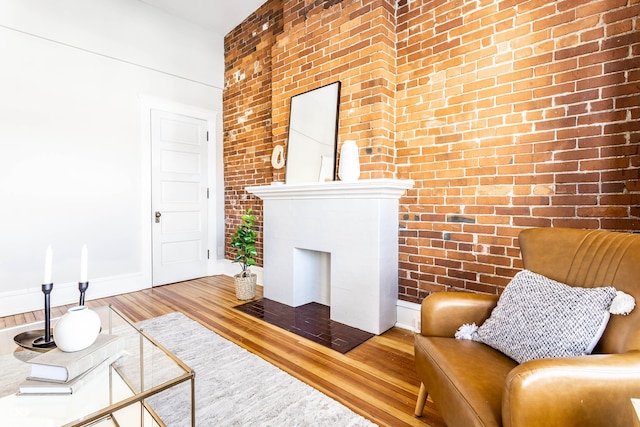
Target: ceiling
219, 16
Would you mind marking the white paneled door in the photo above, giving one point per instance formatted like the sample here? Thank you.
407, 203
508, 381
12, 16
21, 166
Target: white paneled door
179, 197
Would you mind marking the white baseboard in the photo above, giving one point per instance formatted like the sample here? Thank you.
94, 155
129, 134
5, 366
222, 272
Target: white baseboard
408, 316
15, 302
230, 268
32, 299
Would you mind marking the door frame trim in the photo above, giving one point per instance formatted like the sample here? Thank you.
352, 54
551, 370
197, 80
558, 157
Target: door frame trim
215, 181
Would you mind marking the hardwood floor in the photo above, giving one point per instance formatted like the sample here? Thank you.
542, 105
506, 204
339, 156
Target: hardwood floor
376, 379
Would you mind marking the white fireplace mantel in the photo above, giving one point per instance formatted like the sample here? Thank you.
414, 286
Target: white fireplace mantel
383, 188
335, 243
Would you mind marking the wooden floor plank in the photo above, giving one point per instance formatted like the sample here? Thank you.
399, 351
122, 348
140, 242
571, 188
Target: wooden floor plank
376, 379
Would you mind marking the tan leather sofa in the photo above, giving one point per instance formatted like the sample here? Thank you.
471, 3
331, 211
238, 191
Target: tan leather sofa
472, 384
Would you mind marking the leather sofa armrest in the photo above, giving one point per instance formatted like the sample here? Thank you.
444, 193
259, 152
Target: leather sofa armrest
586, 391
442, 313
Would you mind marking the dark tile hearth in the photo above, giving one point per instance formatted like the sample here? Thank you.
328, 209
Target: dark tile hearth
311, 321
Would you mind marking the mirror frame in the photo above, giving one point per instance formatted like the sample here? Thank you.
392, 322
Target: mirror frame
294, 142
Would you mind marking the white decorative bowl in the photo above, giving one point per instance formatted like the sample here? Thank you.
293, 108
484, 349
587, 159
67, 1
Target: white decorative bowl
77, 329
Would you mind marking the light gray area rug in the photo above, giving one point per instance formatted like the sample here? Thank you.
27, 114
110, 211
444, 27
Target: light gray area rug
234, 387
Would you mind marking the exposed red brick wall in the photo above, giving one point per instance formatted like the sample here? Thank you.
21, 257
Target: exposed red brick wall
511, 115
506, 114
350, 41
247, 115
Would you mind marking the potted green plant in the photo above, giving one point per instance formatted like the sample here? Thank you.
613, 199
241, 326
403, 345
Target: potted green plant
243, 241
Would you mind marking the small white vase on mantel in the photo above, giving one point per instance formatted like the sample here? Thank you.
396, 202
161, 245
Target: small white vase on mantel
349, 168
77, 329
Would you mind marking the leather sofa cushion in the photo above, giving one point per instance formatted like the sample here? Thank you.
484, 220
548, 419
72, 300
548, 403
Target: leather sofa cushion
466, 376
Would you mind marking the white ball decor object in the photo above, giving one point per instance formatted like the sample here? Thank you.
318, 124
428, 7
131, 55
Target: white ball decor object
77, 329
349, 168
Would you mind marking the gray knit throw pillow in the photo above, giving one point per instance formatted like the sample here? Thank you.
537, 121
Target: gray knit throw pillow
537, 317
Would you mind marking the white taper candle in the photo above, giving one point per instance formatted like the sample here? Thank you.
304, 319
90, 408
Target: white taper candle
83, 264
48, 263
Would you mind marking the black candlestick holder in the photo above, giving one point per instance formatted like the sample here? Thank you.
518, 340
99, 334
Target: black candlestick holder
46, 341
82, 287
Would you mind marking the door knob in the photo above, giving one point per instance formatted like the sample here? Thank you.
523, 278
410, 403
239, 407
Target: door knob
158, 215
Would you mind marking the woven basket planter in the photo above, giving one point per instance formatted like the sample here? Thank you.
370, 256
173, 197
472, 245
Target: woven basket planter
245, 286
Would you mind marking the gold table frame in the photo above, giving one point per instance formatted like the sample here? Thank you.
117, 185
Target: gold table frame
115, 322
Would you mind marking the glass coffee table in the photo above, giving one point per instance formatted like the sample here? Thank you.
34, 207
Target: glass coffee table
120, 394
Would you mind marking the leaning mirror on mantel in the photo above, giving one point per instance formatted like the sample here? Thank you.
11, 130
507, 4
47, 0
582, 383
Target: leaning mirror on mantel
313, 135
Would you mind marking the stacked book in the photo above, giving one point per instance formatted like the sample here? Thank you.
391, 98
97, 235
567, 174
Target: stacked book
58, 372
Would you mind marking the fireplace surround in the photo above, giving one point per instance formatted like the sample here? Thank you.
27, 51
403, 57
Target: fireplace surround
334, 243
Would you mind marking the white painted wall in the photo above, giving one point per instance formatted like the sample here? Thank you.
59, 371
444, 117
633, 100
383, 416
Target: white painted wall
73, 163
